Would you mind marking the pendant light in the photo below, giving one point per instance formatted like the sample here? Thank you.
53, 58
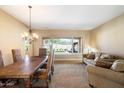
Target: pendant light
30, 36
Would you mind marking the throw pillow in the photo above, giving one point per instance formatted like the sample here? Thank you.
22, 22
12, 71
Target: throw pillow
105, 56
85, 55
118, 65
96, 59
91, 56
98, 54
104, 64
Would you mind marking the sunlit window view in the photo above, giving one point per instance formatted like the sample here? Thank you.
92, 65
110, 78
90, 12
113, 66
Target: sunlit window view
63, 45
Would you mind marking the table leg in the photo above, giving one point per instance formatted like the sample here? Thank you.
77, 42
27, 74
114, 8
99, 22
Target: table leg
27, 83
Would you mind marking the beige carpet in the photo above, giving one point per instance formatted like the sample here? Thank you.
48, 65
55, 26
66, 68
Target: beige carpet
72, 75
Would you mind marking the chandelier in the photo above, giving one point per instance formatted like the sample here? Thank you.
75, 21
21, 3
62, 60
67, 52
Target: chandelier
29, 36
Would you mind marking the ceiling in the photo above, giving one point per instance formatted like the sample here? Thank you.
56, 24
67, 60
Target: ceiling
77, 17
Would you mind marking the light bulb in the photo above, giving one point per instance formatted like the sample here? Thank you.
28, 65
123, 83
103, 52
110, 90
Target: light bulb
35, 35
26, 34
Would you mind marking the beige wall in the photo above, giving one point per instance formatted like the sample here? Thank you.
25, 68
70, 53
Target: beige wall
10, 36
59, 33
110, 37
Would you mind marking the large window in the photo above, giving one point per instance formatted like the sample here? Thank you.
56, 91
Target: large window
63, 45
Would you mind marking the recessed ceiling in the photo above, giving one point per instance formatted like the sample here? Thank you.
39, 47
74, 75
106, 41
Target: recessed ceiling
77, 17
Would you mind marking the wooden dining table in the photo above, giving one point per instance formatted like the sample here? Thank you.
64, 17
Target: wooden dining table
23, 69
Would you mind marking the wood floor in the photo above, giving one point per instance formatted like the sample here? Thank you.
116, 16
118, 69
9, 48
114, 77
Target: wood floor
71, 75
67, 75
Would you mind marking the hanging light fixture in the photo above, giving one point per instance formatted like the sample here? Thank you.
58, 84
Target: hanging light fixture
30, 36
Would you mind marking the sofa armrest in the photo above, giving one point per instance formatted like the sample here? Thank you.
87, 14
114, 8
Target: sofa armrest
106, 73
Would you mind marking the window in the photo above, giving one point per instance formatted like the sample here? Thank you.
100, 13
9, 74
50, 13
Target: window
63, 45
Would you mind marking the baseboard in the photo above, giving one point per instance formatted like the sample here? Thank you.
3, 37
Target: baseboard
68, 61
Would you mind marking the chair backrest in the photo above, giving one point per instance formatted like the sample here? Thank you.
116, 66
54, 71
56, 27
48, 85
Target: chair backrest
42, 52
1, 60
49, 63
53, 57
16, 55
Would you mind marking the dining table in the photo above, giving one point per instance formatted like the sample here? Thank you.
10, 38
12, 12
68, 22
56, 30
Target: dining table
24, 69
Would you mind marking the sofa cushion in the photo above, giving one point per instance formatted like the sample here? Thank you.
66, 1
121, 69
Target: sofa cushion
114, 57
118, 65
104, 64
109, 60
108, 56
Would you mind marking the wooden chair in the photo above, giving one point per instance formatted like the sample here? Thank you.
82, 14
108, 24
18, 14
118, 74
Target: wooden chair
53, 57
1, 60
16, 53
42, 52
5, 82
45, 74
1, 65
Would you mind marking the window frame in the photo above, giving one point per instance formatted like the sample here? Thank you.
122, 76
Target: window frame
72, 39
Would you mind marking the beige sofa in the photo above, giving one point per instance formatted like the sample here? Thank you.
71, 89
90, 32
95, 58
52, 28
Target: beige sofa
99, 56
100, 77
104, 78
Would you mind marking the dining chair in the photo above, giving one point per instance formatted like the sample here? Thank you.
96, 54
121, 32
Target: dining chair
1, 60
53, 59
43, 52
45, 74
16, 53
2, 84
5, 82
